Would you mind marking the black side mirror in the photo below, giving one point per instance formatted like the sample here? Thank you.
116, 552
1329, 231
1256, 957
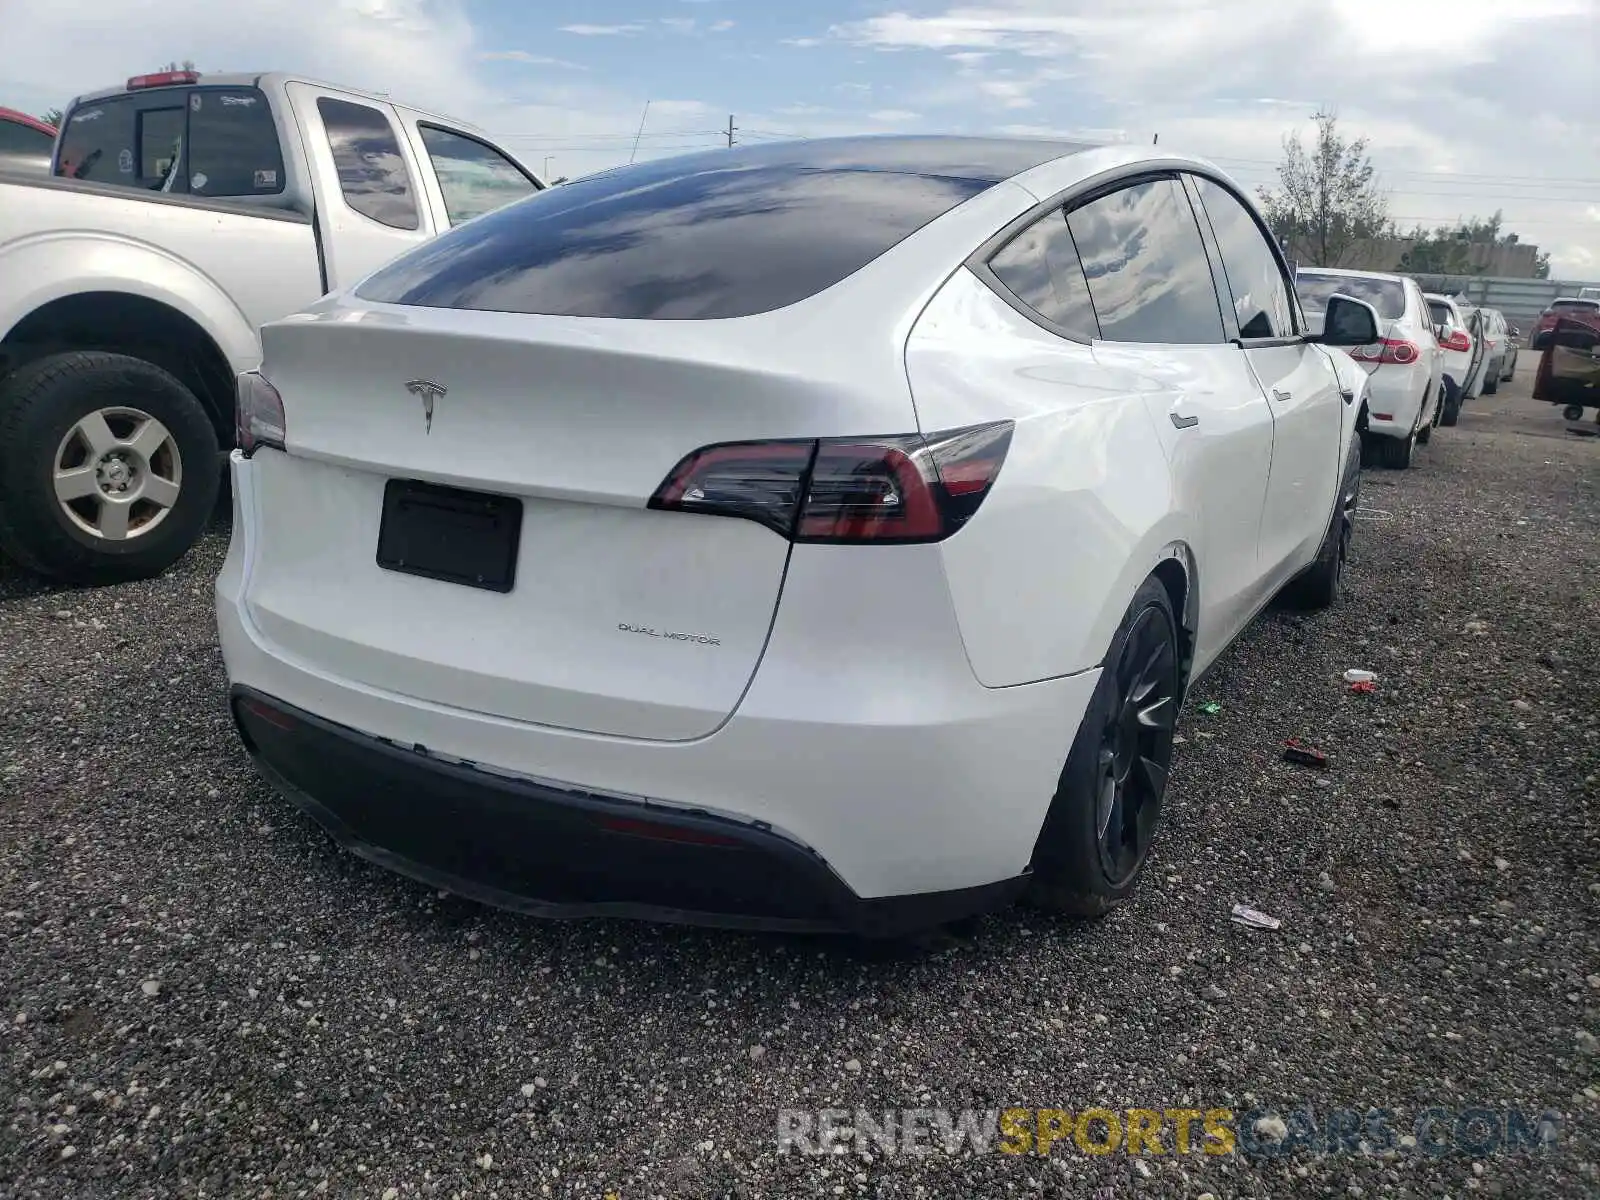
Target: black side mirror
1349, 322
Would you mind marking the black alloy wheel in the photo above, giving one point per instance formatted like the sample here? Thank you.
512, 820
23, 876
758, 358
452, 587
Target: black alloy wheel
1136, 747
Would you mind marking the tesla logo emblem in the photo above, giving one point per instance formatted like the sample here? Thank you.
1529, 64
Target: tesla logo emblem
429, 392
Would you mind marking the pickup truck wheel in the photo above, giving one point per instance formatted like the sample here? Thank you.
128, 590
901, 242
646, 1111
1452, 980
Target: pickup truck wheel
108, 468
1107, 805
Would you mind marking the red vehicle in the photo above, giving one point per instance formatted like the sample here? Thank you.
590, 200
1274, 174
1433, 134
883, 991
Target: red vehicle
1568, 308
25, 142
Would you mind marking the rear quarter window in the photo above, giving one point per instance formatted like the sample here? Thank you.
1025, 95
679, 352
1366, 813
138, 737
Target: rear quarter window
691, 238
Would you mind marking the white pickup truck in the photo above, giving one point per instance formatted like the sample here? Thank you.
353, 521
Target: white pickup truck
181, 214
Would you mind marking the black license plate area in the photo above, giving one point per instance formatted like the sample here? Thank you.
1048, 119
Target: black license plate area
450, 534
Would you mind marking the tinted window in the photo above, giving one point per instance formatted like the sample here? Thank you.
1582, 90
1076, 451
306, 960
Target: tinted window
694, 237
233, 144
124, 140
1260, 298
1388, 296
1583, 306
160, 145
1147, 268
474, 178
1441, 313
1040, 267
372, 171
23, 140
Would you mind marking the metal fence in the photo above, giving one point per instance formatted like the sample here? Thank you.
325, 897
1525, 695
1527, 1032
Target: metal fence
1521, 300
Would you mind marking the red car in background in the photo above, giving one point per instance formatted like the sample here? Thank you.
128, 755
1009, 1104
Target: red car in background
1568, 308
26, 143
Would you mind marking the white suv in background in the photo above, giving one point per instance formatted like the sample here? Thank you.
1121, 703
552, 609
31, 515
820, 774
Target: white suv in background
1459, 330
1405, 369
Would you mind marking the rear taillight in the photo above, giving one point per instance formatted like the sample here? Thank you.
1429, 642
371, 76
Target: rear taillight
1390, 350
258, 414
891, 489
1458, 340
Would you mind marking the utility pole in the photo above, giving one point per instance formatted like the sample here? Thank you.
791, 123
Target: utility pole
731, 129
547, 159
1155, 140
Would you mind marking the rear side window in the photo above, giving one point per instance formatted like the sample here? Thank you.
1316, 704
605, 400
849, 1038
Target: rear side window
123, 140
233, 144
1260, 297
474, 178
1040, 268
372, 171
23, 141
1148, 273
1441, 313
685, 238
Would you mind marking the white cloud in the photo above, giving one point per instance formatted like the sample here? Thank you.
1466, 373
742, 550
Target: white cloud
604, 30
536, 60
1470, 106
892, 116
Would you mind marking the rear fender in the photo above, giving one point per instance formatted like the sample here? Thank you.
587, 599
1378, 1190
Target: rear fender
54, 266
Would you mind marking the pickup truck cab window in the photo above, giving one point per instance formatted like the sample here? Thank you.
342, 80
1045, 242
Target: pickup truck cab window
205, 141
474, 178
372, 171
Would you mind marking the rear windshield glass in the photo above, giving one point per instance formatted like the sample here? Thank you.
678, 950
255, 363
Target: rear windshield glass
723, 234
205, 141
1575, 306
1388, 296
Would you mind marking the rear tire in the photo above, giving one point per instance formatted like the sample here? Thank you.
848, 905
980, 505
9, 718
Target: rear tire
109, 468
1394, 454
1573, 412
1452, 408
1491, 383
1097, 835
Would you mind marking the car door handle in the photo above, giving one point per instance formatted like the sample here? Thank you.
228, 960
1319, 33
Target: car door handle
1280, 394
1183, 422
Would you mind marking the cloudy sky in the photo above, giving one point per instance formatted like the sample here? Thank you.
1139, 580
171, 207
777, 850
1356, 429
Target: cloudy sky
1470, 105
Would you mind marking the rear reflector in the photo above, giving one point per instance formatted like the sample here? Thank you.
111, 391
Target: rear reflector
267, 713
906, 488
656, 831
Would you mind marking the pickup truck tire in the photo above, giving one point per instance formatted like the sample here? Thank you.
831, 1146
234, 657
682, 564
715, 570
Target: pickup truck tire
108, 468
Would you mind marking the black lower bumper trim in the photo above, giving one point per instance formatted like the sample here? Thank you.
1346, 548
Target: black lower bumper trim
557, 852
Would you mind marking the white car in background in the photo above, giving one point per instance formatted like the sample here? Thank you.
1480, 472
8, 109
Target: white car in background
809, 535
1457, 326
1405, 367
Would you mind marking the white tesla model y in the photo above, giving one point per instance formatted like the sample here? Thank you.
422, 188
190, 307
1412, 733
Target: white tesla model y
810, 536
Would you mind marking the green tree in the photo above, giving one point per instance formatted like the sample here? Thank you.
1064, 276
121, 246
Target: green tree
52, 116
1465, 248
1327, 202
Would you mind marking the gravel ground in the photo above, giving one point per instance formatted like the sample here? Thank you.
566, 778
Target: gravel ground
202, 997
